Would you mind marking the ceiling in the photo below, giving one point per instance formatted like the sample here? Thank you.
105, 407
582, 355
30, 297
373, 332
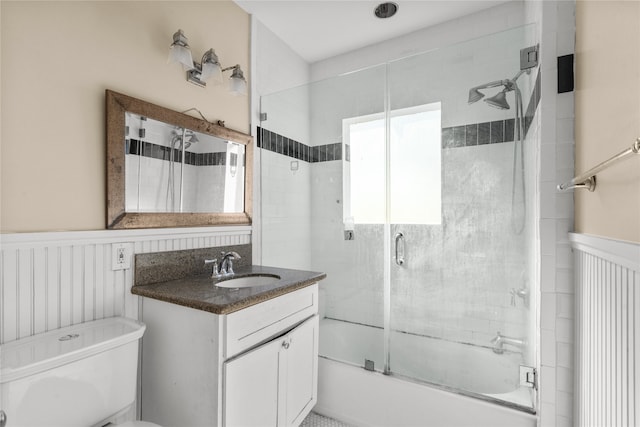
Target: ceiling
320, 29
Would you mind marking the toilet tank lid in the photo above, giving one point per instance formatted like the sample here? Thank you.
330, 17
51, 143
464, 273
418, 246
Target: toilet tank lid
37, 353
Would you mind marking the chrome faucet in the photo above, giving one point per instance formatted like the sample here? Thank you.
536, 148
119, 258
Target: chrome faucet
225, 268
226, 264
500, 340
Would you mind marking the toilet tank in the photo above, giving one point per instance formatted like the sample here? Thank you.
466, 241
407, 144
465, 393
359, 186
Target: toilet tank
75, 376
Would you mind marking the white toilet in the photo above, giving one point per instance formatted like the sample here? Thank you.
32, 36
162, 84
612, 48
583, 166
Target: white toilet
83, 375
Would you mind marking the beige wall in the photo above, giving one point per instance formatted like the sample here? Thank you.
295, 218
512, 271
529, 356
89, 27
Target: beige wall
608, 115
57, 60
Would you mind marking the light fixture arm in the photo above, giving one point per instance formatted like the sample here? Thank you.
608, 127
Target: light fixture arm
237, 72
193, 76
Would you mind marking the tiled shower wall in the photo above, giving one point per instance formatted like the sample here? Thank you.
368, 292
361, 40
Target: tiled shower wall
57, 279
286, 230
556, 31
148, 154
454, 288
202, 185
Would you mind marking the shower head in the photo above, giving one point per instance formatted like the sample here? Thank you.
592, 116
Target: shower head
499, 100
191, 137
475, 95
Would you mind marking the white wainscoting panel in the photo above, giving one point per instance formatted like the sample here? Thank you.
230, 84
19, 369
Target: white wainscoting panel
57, 279
608, 331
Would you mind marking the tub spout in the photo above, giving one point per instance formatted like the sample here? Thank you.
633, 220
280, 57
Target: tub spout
500, 340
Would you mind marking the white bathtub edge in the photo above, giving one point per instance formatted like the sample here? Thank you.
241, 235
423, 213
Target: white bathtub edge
366, 399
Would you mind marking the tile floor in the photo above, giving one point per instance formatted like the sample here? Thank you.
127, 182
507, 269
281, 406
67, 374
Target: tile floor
317, 420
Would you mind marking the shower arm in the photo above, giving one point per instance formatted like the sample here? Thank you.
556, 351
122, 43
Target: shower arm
507, 83
517, 76
492, 84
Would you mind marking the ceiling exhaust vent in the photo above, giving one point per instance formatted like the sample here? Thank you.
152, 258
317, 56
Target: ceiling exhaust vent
386, 10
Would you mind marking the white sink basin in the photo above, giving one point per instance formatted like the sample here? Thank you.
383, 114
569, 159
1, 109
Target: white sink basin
248, 282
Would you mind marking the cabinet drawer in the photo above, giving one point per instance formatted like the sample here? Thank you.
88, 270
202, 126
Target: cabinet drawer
253, 325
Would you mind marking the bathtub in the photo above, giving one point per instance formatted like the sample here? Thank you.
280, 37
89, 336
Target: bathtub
363, 398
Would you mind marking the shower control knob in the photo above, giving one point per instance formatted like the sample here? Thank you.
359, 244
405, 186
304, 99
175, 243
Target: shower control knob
3, 419
285, 345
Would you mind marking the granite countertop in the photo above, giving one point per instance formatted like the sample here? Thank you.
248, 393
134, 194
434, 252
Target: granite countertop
200, 292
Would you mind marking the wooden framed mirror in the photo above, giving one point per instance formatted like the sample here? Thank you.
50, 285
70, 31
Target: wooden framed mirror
169, 169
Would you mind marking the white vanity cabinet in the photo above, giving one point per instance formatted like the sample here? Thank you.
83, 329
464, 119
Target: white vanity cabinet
253, 367
275, 383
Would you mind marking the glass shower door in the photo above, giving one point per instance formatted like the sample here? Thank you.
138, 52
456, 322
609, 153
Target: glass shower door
462, 284
399, 187
393, 177
305, 158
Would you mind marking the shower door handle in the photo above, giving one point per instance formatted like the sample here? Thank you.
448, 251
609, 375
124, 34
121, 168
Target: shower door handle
399, 238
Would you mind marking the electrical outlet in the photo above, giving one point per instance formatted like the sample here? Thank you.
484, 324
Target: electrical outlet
121, 256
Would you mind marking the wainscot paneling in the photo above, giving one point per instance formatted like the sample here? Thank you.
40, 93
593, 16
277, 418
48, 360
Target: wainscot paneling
56, 279
607, 331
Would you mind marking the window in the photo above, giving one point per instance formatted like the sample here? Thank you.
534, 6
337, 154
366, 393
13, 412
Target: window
414, 167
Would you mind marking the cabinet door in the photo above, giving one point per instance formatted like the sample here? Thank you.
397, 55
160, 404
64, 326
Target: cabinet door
274, 385
251, 387
301, 371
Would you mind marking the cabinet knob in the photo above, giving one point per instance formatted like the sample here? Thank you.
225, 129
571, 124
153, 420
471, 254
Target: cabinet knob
285, 344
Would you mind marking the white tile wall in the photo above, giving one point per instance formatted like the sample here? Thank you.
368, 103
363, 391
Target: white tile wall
52, 280
556, 28
286, 212
276, 67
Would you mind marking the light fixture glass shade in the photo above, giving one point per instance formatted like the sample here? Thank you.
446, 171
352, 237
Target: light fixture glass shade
180, 52
237, 82
211, 67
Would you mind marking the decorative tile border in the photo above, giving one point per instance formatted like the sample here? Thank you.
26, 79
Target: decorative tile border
161, 152
280, 144
490, 132
452, 137
478, 134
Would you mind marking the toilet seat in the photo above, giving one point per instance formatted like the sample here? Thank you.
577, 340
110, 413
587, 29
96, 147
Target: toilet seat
138, 424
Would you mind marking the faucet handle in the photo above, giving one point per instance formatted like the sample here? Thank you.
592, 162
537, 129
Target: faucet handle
214, 271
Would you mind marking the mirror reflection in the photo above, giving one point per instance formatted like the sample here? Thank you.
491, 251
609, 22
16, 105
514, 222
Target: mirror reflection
175, 169
169, 169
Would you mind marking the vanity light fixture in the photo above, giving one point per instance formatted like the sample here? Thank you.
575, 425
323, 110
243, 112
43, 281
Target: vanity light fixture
237, 82
180, 51
208, 68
